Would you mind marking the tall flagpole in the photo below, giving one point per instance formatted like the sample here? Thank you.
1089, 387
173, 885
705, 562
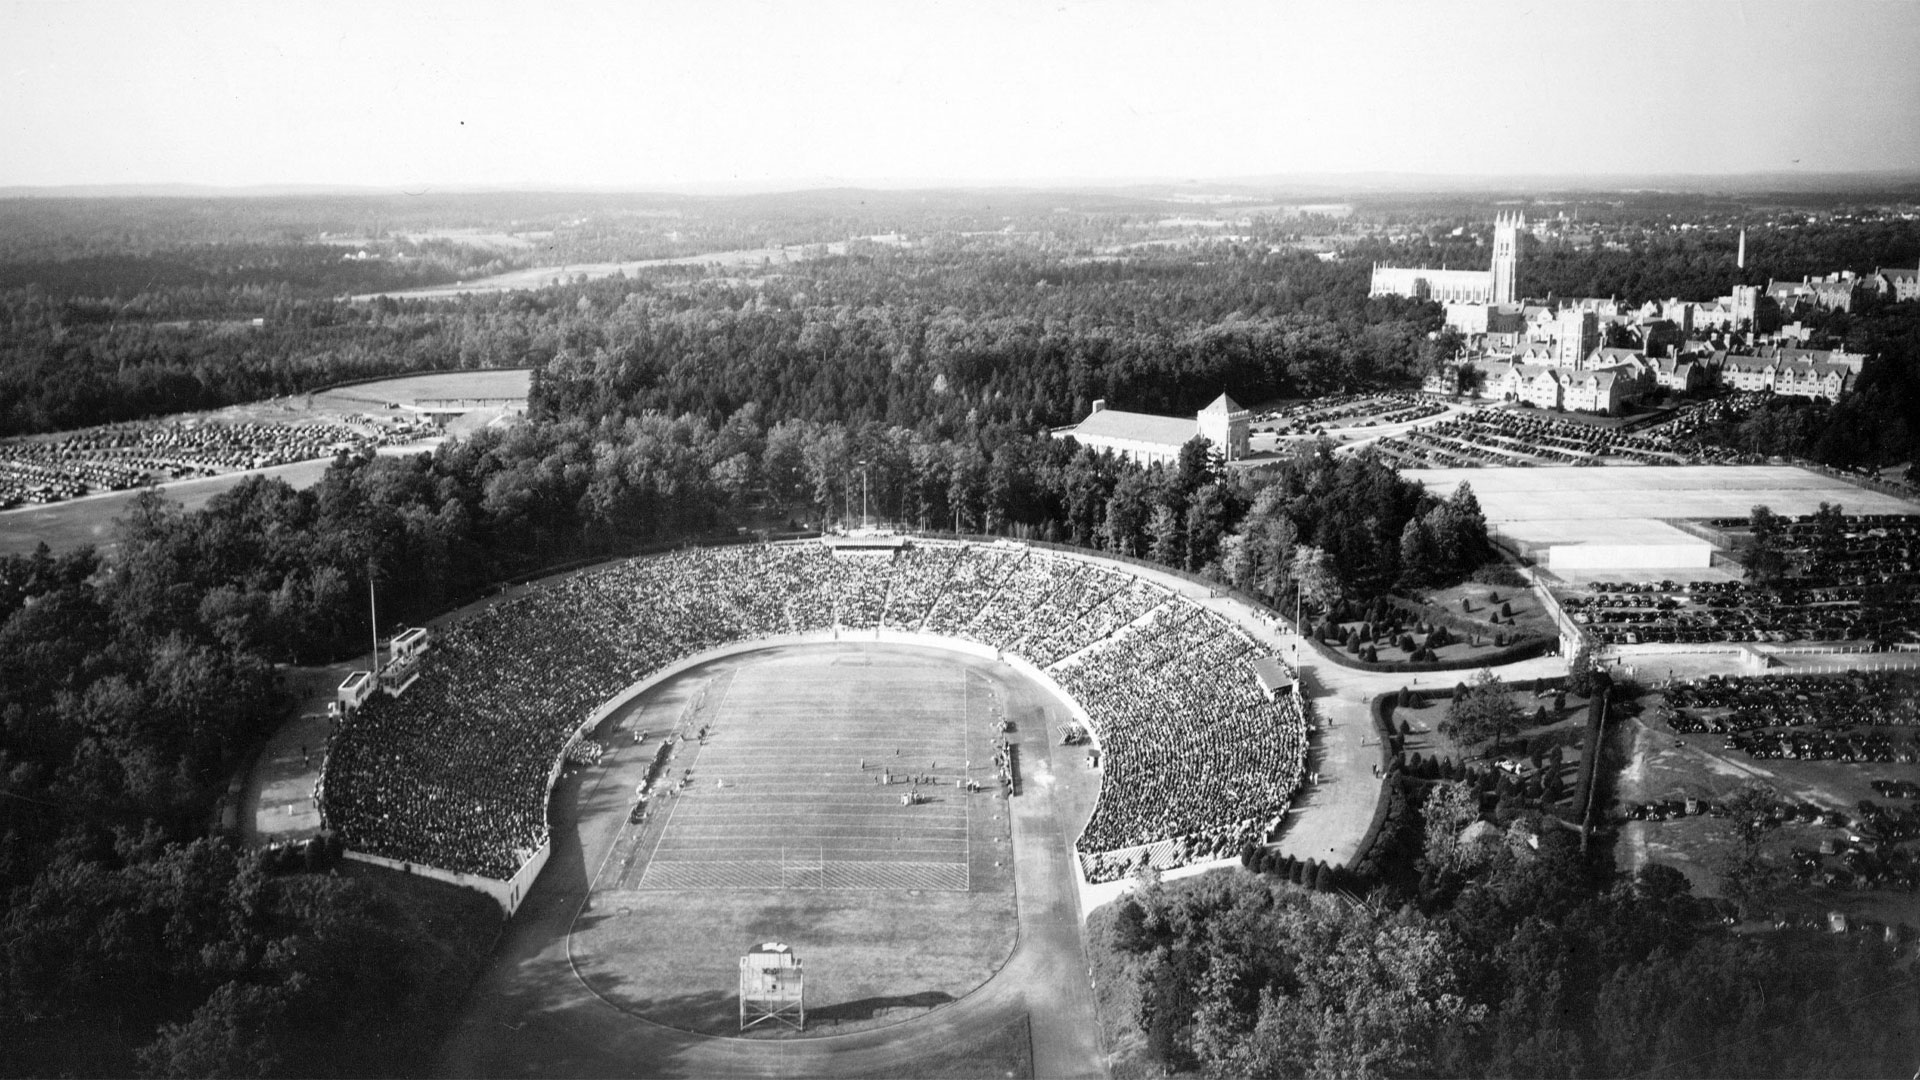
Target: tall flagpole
373, 620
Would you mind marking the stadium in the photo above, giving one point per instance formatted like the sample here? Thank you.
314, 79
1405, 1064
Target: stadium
837, 730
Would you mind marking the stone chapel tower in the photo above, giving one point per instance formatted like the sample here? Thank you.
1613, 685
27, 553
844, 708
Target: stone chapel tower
1506, 256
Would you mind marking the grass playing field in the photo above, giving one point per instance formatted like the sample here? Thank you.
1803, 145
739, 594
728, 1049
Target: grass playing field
802, 780
1511, 497
788, 825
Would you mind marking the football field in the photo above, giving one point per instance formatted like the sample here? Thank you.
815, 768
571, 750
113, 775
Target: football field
825, 806
843, 775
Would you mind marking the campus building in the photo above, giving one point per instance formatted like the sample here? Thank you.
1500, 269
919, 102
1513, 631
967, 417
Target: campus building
1496, 285
1147, 439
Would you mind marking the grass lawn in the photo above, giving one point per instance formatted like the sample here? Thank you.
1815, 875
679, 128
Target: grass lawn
1478, 605
1530, 750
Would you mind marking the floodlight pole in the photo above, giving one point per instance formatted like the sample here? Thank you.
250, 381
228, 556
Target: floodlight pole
864, 492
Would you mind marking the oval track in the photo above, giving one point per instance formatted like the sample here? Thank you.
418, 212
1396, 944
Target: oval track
531, 1015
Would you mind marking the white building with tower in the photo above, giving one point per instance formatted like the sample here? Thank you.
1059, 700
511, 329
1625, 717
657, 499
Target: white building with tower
1147, 439
1496, 286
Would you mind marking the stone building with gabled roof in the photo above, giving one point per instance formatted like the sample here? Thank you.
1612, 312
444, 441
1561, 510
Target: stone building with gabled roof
1147, 439
1902, 282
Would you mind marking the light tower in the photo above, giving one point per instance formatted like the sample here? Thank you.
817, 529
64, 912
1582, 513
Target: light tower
1506, 256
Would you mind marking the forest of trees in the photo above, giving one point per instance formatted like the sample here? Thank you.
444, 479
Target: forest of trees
1515, 960
131, 688
691, 404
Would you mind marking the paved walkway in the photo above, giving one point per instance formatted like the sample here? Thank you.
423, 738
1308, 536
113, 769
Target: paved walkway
276, 801
1330, 817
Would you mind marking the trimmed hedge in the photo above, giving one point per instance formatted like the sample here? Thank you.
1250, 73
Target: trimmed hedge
1527, 649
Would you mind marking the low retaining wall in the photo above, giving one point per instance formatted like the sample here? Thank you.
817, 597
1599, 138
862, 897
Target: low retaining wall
508, 894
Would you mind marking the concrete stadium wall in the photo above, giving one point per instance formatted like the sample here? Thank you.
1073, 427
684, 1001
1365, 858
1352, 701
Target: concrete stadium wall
508, 894
1629, 556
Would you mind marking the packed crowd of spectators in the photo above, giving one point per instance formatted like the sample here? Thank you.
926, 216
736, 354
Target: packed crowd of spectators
1057, 640
124, 456
1191, 747
974, 580
455, 773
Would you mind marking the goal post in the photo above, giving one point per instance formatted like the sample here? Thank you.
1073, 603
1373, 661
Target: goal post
772, 987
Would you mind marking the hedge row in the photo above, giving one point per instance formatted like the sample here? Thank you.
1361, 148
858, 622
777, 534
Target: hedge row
1525, 649
1312, 874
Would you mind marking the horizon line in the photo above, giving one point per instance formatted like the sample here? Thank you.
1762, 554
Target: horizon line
1359, 182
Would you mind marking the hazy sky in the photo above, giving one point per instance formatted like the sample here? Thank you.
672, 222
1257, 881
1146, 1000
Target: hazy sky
652, 93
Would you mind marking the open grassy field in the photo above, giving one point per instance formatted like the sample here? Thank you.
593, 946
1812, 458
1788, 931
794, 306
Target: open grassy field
1624, 508
1607, 495
89, 520
542, 276
411, 389
785, 827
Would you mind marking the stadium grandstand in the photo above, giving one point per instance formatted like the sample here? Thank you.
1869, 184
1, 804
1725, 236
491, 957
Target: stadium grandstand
457, 774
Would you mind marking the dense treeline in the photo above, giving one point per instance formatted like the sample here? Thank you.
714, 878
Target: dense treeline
1523, 961
912, 338
1874, 424
1654, 263
685, 403
949, 339
1028, 326
130, 690
130, 940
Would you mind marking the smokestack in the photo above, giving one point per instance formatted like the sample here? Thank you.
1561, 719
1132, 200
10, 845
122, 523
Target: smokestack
1740, 260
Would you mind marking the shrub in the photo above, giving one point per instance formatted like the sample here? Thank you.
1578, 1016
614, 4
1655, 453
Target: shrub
1506, 611
1499, 573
